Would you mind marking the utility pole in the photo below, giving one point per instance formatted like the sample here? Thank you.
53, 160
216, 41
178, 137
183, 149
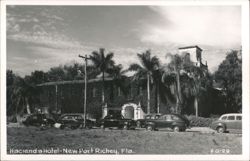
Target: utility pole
85, 88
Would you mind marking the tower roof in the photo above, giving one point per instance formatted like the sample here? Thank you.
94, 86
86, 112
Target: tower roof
188, 47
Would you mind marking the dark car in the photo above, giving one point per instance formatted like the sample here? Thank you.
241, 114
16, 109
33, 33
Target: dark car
117, 121
74, 121
141, 123
39, 120
174, 121
228, 122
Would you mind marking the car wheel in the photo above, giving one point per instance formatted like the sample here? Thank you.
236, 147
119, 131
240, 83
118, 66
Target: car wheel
138, 124
102, 127
150, 128
74, 127
89, 127
220, 130
176, 129
62, 127
125, 127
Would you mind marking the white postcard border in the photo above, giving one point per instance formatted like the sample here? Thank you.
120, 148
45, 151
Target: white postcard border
245, 83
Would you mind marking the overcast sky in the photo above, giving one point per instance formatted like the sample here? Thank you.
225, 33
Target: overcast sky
41, 37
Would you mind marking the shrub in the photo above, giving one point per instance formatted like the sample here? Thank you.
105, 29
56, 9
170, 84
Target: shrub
200, 121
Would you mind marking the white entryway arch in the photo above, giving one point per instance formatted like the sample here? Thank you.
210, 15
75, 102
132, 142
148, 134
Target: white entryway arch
132, 111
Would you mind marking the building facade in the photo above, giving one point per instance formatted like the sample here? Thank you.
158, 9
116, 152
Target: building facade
68, 97
130, 100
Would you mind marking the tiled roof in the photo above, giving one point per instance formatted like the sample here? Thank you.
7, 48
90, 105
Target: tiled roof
73, 82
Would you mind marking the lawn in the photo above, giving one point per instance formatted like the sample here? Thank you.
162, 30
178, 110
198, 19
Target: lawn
98, 141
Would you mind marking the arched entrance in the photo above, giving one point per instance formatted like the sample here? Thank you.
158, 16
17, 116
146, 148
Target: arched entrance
129, 112
132, 111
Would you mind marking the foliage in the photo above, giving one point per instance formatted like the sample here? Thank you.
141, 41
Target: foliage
186, 80
19, 94
102, 63
118, 74
147, 70
179, 83
200, 121
229, 76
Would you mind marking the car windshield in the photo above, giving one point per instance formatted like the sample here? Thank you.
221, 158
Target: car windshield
223, 118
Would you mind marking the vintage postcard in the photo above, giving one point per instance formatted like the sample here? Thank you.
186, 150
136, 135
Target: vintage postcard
125, 80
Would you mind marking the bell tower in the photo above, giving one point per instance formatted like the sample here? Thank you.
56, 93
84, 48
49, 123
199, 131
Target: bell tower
194, 53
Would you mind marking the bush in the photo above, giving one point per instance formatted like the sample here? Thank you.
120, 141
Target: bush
200, 121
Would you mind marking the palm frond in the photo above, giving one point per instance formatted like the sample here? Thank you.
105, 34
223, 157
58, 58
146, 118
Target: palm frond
135, 67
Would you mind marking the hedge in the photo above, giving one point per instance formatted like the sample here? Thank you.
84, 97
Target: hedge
200, 121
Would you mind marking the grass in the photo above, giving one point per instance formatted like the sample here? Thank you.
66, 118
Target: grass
133, 141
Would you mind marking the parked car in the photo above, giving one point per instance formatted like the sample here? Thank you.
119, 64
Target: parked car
174, 121
141, 123
74, 121
227, 122
39, 120
117, 121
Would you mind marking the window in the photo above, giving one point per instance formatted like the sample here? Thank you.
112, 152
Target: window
175, 117
162, 118
231, 118
157, 117
238, 118
34, 117
224, 118
168, 118
119, 91
140, 90
94, 92
152, 117
130, 94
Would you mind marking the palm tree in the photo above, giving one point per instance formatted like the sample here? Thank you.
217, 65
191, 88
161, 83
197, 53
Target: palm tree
171, 76
103, 63
22, 94
187, 78
198, 82
119, 77
146, 68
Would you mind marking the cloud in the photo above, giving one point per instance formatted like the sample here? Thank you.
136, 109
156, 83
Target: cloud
215, 26
49, 38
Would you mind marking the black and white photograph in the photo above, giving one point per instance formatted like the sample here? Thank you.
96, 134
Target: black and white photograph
125, 80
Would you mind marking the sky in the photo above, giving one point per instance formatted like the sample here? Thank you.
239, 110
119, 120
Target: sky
41, 37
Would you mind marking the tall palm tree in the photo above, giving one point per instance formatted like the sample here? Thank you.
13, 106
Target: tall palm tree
171, 76
146, 68
187, 79
103, 63
22, 95
198, 82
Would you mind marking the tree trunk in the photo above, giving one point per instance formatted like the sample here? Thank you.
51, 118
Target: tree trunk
103, 86
179, 97
27, 106
56, 99
196, 106
148, 91
158, 98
